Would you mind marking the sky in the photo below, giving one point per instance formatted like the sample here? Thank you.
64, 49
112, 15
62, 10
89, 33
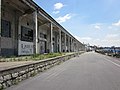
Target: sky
94, 22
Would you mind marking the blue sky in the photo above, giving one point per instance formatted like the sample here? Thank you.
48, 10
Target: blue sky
96, 22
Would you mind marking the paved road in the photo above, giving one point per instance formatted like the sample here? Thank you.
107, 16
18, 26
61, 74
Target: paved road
89, 71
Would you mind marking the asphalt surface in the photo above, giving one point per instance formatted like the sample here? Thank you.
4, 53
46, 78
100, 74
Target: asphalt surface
89, 71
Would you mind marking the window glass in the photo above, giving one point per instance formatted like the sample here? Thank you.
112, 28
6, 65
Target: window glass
26, 34
5, 28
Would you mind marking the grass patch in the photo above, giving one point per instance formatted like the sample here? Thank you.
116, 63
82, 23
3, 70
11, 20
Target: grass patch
45, 56
33, 57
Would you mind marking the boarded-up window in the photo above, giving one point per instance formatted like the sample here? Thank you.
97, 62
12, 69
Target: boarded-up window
26, 34
43, 35
6, 28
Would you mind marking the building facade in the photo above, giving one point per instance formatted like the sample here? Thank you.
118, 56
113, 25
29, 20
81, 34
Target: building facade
27, 29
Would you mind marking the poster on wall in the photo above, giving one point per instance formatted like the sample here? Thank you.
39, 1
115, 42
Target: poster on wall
25, 48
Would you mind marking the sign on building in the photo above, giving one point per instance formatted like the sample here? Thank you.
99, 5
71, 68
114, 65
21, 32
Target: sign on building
25, 48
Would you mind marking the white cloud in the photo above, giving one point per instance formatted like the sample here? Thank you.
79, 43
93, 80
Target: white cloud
112, 36
64, 18
117, 23
110, 27
58, 6
97, 27
108, 40
84, 39
109, 36
56, 12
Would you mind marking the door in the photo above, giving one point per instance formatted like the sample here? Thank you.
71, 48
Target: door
42, 47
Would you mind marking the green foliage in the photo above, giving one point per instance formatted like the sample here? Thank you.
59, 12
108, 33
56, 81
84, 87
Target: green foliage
45, 56
33, 57
1, 87
116, 55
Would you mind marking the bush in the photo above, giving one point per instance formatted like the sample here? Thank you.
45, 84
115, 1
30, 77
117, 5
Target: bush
116, 55
45, 56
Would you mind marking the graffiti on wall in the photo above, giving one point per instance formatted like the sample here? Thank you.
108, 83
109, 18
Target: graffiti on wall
25, 48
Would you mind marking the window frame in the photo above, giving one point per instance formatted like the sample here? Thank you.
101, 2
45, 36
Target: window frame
26, 35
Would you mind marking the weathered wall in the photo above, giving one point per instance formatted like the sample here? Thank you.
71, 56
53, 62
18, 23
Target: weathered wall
19, 15
7, 43
45, 30
25, 47
55, 42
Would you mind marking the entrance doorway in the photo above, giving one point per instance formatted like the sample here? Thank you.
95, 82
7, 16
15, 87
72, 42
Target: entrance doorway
42, 47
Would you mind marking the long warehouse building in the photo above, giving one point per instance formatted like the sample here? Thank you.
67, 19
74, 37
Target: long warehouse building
27, 29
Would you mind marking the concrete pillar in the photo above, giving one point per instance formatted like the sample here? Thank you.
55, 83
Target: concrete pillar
65, 43
0, 27
16, 38
60, 40
35, 33
19, 34
51, 38
0, 18
71, 44
77, 46
68, 43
